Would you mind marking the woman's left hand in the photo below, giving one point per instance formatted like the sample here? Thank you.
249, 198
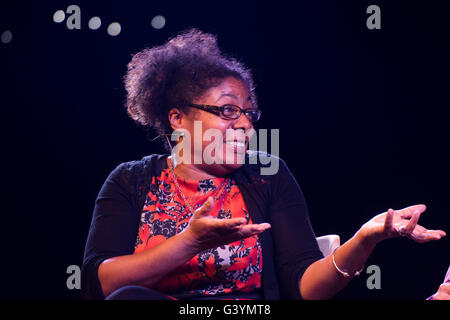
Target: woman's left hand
396, 223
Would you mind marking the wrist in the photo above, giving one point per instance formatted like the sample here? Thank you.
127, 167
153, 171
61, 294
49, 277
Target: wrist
367, 240
190, 241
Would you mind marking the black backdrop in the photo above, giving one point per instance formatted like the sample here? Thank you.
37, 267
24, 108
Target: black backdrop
363, 118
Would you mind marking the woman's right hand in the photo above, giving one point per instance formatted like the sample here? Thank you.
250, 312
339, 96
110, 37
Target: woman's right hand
205, 232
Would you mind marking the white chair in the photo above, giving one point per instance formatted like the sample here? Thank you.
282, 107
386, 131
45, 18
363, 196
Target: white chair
328, 243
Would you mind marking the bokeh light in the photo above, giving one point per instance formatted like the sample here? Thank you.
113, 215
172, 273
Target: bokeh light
94, 23
158, 22
6, 36
114, 29
59, 16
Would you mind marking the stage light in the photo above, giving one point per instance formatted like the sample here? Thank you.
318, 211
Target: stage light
59, 16
114, 29
95, 23
6, 36
158, 22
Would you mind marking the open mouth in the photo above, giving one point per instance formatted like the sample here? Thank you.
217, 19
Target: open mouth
237, 146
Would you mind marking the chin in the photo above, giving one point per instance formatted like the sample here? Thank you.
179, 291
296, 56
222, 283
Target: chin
233, 166
225, 169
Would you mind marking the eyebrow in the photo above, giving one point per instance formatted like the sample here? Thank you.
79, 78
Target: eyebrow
231, 96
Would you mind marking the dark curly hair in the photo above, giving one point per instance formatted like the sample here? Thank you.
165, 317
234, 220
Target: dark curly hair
174, 74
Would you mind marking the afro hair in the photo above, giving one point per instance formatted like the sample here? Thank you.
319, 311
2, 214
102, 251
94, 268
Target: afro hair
176, 73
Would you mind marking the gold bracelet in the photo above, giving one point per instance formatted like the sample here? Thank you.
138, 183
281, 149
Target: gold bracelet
345, 274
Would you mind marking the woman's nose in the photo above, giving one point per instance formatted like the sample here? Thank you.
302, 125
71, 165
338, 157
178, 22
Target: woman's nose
242, 123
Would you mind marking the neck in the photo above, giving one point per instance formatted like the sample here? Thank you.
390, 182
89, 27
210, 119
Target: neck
190, 171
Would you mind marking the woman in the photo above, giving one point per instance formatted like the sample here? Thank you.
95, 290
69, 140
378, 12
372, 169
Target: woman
443, 292
168, 228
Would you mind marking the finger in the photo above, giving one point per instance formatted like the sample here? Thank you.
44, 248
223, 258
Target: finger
389, 220
441, 232
409, 211
413, 222
250, 230
228, 223
253, 228
258, 227
426, 236
205, 208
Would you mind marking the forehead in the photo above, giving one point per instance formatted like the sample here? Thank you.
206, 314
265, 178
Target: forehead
230, 87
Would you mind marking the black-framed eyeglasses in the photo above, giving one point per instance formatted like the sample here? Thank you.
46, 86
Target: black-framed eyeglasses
229, 111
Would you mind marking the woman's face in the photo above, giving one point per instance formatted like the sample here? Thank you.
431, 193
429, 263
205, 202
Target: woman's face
221, 139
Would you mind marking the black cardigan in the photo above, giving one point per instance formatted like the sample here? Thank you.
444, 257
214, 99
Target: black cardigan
288, 247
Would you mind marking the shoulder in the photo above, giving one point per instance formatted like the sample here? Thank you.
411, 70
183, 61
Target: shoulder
153, 160
265, 164
261, 167
132, 170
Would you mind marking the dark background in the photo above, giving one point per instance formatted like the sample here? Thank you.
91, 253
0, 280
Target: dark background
363, 118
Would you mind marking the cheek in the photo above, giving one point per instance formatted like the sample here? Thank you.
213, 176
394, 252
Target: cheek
214, 128
213, 139
213, 133
205, 131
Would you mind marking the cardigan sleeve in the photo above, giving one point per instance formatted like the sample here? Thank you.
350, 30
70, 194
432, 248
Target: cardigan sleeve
295, 244
113, 228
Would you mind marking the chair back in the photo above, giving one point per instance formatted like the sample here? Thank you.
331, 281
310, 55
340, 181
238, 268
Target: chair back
328, 243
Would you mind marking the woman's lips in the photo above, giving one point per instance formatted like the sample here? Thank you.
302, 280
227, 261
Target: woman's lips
237, 146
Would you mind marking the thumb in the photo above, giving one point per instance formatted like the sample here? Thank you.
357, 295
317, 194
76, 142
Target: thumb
205, 208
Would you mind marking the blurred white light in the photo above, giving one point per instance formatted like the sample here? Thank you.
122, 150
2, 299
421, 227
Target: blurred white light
114, 29
94, 23
6, 36
158, 22
59, 16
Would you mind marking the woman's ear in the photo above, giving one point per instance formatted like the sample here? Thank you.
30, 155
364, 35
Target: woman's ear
175, 118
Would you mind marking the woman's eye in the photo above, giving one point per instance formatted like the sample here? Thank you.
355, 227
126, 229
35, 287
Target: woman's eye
229, 109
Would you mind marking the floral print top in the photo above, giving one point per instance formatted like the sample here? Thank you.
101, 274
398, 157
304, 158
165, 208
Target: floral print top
230, 269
